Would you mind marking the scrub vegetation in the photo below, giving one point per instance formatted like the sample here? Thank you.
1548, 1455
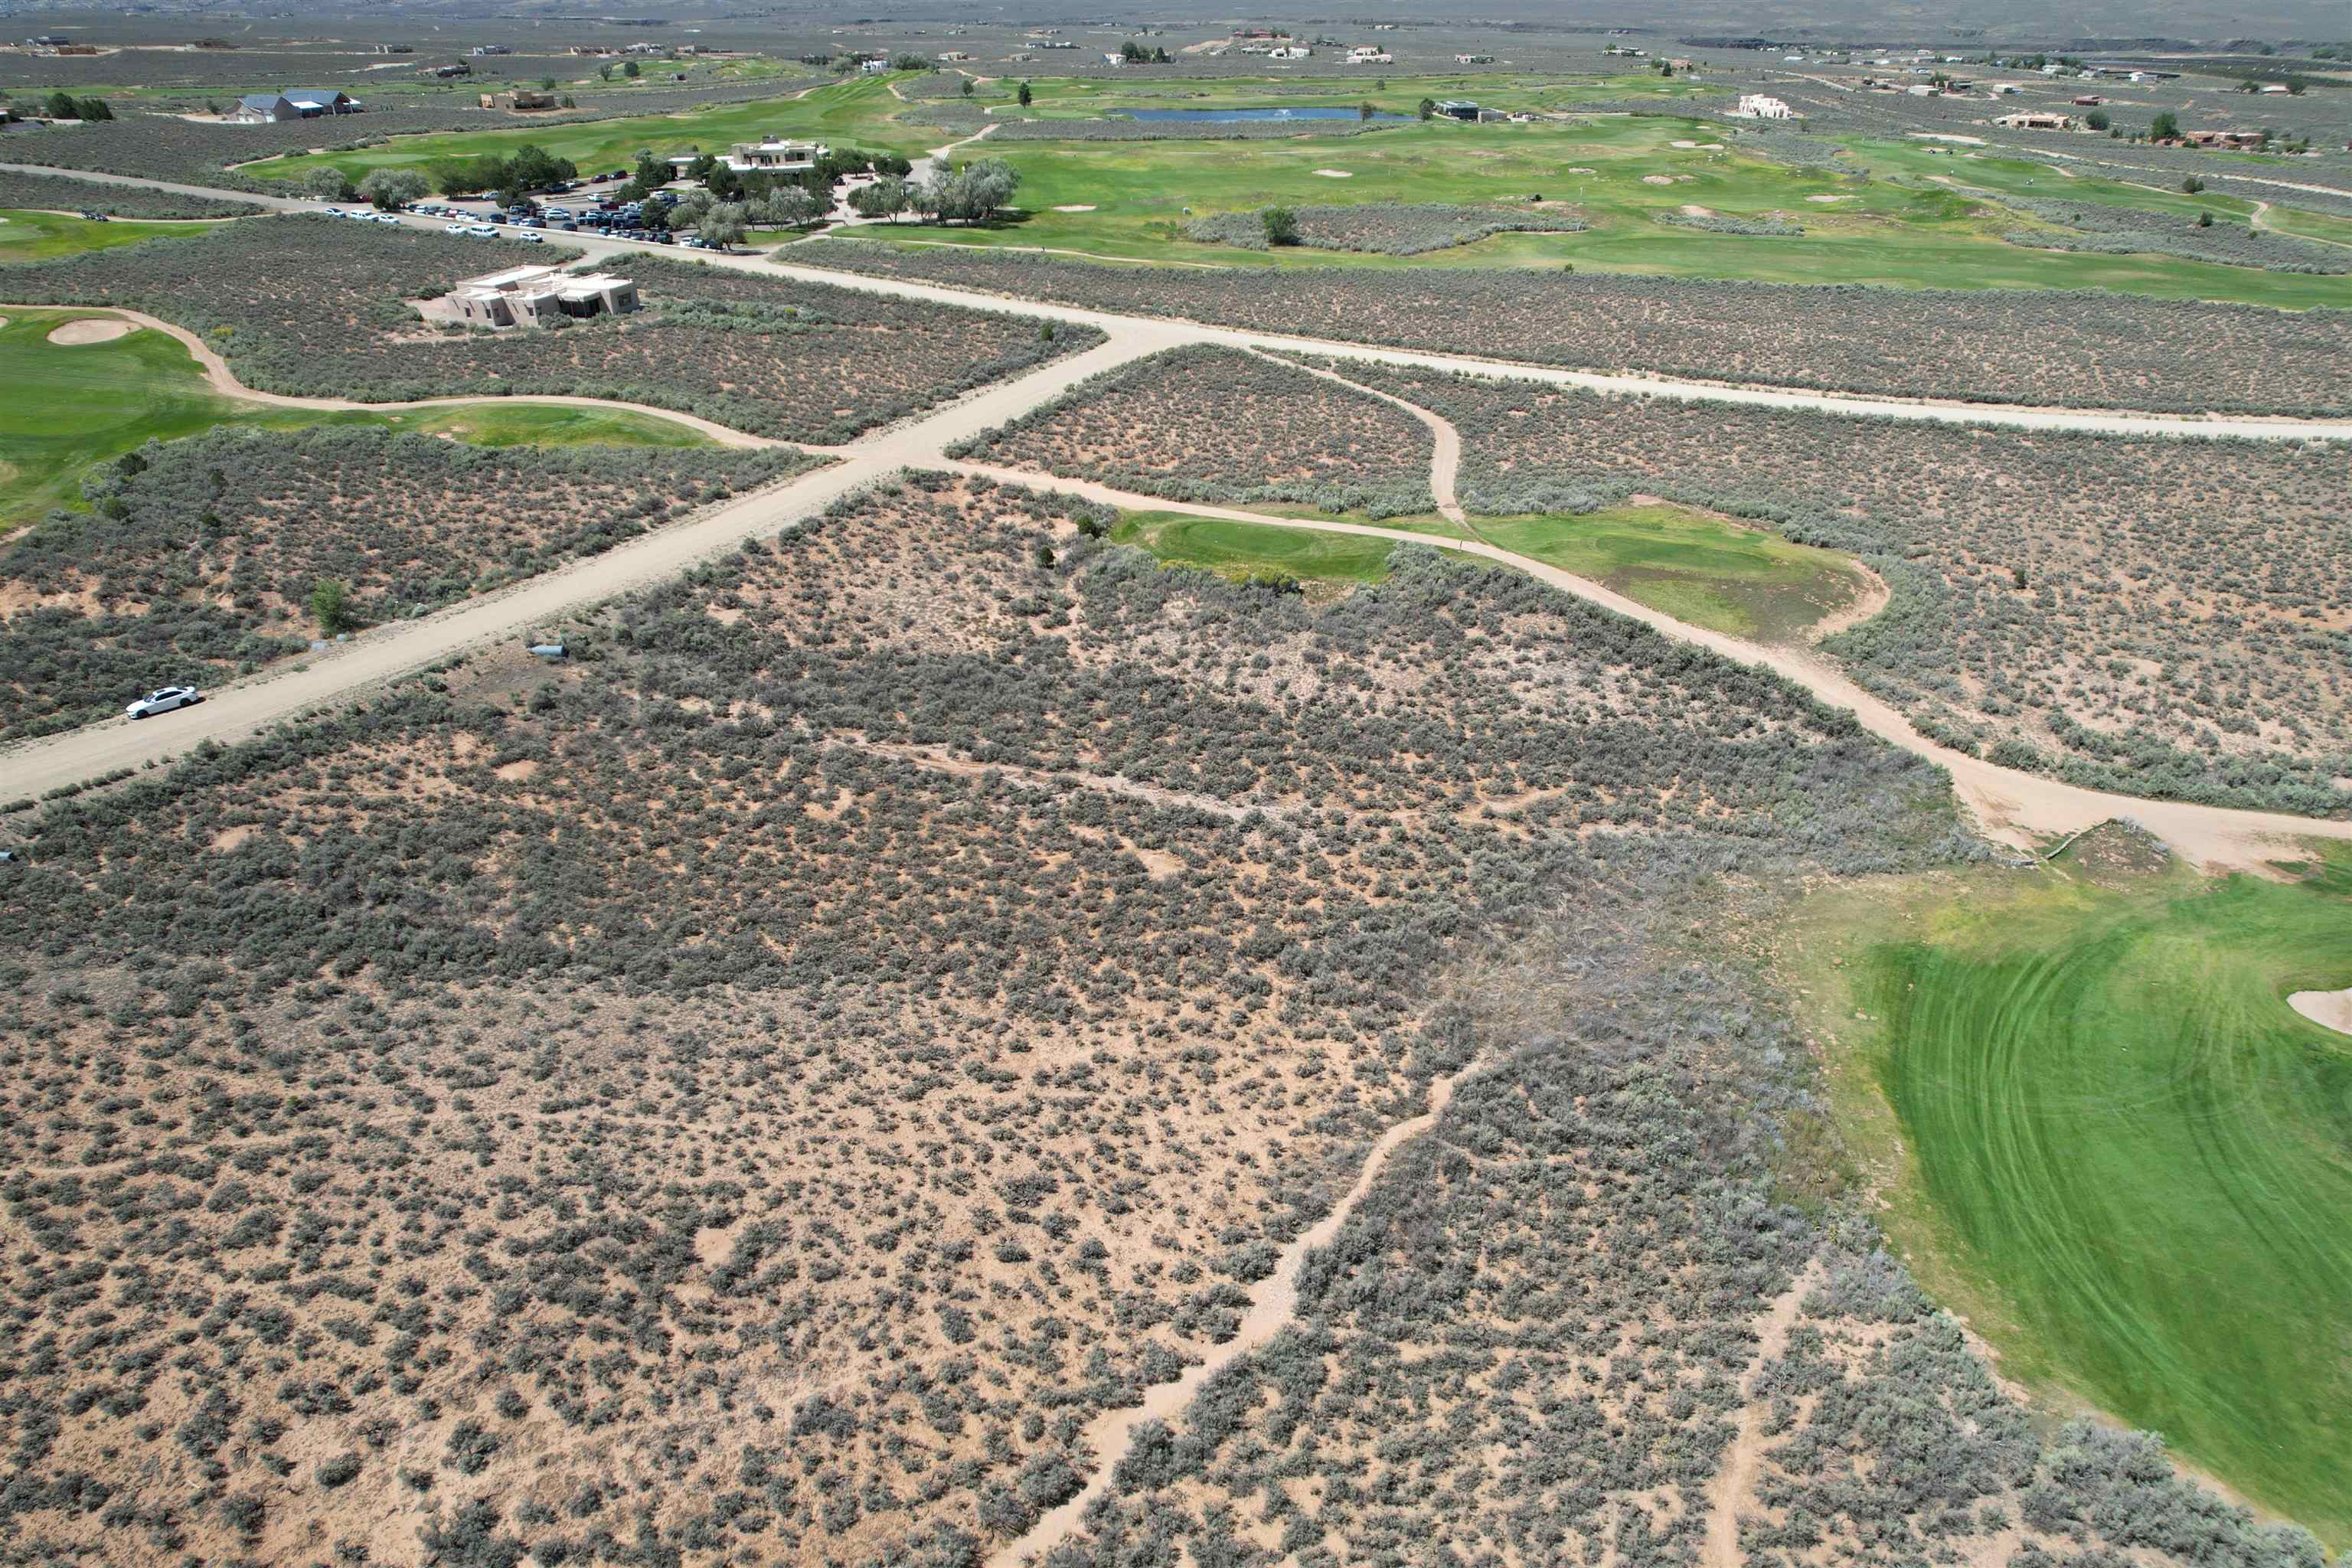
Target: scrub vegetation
63, 194
982, 1073
1210, 424
2106, 1137
199, 558
1383, 228
2086, 350
2158, 616
308, 306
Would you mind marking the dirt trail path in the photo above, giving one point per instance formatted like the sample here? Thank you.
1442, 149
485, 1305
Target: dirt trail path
1735, 1482
1274, 1302
224, 381
2009, 808
1445, 448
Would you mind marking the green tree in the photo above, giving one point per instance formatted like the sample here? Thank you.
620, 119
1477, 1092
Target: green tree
723, 226
1281, 225
329, 184
2192, 185
2097, 120
1428, 108
331, 603
966, 87
391, 189
630, 69
61, 106
886, 197
1027, 98
2164, 126
95, 108
1365, 111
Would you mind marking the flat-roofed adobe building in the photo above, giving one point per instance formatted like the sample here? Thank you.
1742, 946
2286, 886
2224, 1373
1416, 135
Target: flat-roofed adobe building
531, 296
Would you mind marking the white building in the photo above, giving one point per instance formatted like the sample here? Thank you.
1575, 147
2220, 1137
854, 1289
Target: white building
768, 155
1756, 106
530, 296
1369, 56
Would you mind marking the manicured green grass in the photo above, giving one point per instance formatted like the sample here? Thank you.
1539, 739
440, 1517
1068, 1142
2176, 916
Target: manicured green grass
41, 236
1696, 568
71, 407
2106, 1138
1329, 562
851, 114
1911, 234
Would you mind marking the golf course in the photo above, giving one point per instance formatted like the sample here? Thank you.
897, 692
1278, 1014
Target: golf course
2103, 1136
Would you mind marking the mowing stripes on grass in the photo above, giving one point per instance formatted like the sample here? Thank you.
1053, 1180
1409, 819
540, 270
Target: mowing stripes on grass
2134, 1162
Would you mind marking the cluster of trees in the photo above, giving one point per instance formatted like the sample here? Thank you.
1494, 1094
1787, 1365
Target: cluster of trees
976, 192
65, 106
531, 169
1136, 53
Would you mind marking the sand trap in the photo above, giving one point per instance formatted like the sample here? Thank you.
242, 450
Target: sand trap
92, 332
1076, 207
2328, 1009
1945, 136
1827, 200
1584, 171
1691, 211
1700, 146
1336, 174
1684, 143
1657, 179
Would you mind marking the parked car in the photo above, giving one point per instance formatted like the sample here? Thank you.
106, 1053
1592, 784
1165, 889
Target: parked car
167, 700
94, 216
481, 231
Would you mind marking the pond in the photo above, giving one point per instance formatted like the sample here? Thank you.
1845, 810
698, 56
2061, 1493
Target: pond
1316, 112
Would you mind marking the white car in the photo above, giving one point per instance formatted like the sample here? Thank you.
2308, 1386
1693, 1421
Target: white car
168, 699
386, 218
481, 231
454, 228
530, 238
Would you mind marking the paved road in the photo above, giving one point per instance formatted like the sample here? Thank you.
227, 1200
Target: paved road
2257, 428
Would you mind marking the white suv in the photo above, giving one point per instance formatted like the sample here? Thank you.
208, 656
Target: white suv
168, 699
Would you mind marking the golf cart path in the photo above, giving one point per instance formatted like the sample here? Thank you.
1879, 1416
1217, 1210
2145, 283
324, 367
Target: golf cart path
1446, 441
224, 381
1180, 330
2018, 809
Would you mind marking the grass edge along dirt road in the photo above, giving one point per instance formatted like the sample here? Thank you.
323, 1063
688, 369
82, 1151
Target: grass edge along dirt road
2095, 1127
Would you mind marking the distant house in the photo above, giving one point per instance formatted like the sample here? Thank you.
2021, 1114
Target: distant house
531, 296
2228, 140
1756, 106
768, 156
521, 99
2036, 120
1367, 56
294, 103
1458, 108
874, 68
455, 68
493, 49
1473, 59
2089, 101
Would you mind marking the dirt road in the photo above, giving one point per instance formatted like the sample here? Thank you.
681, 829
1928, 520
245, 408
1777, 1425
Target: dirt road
2111, 423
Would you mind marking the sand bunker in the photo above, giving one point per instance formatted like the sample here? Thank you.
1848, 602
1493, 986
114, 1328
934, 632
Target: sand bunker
1076, 207
1685, 143
2328, 1009
1827, 200
1584, 171
1945, 136
1336, 174
1691, 211
1657, 179
91, 332
1701, 146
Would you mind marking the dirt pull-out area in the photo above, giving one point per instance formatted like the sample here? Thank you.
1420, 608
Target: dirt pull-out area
90, 331
2328, 1009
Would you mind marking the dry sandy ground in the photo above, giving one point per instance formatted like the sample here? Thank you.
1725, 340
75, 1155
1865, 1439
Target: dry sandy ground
1274, 1301
1336, 173
2328, 1009
94, 331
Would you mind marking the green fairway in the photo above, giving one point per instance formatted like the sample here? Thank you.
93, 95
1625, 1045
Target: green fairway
1699, 569
849, 114
71, 407
40, 236
1620, 174
2106, 1138
1328, 563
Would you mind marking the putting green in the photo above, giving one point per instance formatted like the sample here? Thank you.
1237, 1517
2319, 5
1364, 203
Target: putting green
1704, 570
75, 405
1326, 563
2106, 1138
